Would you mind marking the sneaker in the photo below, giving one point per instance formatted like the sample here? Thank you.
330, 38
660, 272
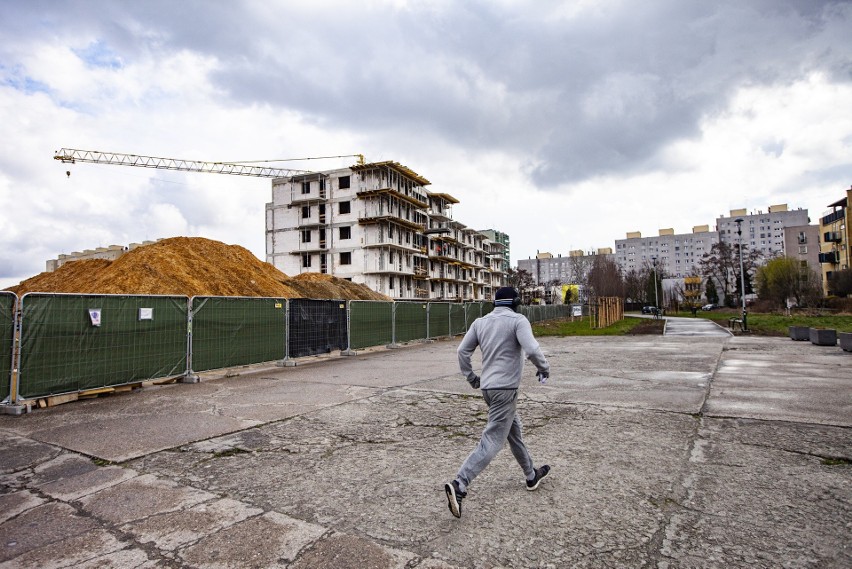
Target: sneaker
454, 497
540, 473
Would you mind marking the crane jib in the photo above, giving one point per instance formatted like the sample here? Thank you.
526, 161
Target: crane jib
70, 155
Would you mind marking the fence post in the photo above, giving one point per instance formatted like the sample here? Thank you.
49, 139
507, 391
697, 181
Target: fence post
13, 407
429, 339
348, 351
286, 362
393, 345
189, 376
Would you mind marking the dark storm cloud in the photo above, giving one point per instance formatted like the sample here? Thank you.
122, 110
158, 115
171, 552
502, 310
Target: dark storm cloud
577, 95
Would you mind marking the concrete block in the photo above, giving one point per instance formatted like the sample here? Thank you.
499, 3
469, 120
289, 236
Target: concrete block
823, 337
846, 341
799, 333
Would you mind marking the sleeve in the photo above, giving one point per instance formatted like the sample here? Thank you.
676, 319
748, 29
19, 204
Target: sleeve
465, 351
523, 331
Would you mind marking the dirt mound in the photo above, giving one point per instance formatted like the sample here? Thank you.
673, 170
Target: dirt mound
190, 266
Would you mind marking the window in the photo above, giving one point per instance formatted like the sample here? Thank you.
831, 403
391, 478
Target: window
803, 249
306, 260
306, 211
306, 187
306, 236
346, 233
343, 182
391, 282
346, 258
344, 207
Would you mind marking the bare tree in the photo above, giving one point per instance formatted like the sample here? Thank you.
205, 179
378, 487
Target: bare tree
723, 264
605, 278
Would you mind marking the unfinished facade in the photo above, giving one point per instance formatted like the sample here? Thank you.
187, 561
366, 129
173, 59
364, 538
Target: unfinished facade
377, 225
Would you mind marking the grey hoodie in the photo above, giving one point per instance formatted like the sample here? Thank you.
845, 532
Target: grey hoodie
503, 335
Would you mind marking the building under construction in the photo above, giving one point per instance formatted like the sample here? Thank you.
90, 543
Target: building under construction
376, 224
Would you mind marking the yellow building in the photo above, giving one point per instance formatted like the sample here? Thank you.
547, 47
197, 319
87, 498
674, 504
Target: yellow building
835, 229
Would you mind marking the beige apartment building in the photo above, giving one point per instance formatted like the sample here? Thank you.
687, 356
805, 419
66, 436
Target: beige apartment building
836, 233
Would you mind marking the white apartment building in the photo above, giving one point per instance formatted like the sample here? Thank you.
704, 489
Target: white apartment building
675, 255
377, 225
763, 232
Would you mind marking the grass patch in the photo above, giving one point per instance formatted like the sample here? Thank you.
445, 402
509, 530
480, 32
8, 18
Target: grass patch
836, 461
581, 327
776, 324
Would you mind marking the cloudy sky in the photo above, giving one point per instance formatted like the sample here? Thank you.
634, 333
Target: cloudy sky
564, 124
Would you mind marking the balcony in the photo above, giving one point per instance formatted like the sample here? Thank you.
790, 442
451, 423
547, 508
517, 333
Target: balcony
836, 215
832, 237
831, 258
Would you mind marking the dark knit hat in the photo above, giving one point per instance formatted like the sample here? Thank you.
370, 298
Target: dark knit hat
506, 296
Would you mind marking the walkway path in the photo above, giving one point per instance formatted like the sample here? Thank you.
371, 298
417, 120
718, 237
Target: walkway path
679, 326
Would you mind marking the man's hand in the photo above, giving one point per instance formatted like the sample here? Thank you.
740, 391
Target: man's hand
474, 383
542, 376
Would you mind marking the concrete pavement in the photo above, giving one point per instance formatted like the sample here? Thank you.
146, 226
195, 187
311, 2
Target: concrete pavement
674, 451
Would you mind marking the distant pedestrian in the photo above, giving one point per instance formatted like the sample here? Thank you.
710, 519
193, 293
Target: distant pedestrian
503, 336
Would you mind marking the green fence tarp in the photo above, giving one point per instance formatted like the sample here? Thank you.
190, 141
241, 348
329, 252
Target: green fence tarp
79, 342
232, 331
370, 323
410, 321
457, 319
439, 319
7, 341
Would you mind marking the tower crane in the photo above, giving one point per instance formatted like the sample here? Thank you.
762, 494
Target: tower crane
235, 168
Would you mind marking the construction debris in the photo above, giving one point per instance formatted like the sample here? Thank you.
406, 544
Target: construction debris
191, 266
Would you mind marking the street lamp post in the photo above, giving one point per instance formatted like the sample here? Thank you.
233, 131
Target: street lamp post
739, 222
656, 300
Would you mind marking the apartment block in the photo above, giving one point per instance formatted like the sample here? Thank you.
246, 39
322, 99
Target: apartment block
675, 254
835, 228
761, 231
571, 269
376, 224
503, 239
801, 243
110, 253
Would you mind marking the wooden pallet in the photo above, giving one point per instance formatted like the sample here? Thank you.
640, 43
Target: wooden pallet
54, 400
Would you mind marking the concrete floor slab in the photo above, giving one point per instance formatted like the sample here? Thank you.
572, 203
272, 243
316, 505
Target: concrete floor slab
268, 541
40, 526
77, 551
172, 530
140, 498
653, 463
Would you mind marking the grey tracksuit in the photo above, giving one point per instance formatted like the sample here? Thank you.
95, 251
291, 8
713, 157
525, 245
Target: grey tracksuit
503, 336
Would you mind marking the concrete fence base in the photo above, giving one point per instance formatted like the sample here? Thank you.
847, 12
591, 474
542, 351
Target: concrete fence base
823, 337
800, 333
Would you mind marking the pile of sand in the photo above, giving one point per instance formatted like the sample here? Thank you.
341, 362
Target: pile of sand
191, 266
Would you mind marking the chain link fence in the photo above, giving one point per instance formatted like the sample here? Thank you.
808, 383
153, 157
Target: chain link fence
233, 331
77, 342
83, 342
8, 305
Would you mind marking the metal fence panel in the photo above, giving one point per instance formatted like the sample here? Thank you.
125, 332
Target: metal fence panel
79, 342
487, 307
472, 311
7, 341
370, 323
232, 331
316, 327
439, 319
410, 321
457, 319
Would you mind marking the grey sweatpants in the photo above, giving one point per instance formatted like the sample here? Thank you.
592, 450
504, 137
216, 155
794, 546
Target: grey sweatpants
503, 424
